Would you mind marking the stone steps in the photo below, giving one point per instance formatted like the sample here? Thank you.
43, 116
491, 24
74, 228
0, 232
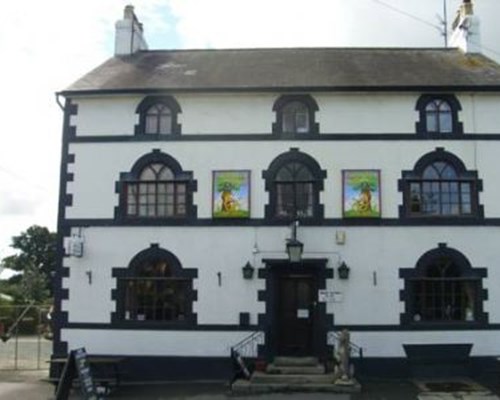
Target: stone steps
262, 377
293, 374
295, 361
295, 370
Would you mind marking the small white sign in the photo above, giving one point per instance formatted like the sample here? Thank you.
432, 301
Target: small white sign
325, 296
302, 313
330, 296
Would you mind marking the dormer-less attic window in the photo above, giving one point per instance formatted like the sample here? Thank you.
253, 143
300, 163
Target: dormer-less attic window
295, 115
295, 118
158, 116
158, 120
438, 115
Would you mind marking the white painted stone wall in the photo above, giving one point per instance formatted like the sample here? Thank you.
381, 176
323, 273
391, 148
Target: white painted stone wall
383, 250
98, 165
252, 113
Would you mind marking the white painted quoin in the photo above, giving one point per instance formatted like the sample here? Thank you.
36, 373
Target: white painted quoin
227, 118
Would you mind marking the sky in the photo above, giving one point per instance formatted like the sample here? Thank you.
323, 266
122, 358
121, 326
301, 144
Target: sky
46, 46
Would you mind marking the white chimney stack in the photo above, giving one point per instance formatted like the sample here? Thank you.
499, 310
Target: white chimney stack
129, 34
466, 34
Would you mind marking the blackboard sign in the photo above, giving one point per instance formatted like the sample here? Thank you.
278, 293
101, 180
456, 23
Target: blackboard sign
86, 380
77, 364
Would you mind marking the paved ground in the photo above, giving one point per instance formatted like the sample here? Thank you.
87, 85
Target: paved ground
30, 385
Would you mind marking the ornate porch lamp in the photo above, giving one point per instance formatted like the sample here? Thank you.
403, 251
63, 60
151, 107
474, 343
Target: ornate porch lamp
294, 247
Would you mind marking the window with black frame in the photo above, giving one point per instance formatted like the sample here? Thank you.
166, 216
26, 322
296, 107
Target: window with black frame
294, 191
157, 193
154, 288
443, 288
294, 181
440, 186
158, 119
154, 294
438, 115
156, 188
158, 116
295, 115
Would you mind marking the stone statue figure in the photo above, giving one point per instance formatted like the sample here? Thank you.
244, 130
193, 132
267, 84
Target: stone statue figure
342, 373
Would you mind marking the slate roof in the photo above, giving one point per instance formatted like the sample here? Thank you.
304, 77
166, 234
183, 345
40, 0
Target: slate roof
292, 69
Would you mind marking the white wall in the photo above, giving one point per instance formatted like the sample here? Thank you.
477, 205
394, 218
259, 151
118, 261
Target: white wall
241, 113
98, 165
383, 250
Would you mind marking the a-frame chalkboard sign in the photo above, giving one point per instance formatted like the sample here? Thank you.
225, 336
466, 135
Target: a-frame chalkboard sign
77, 365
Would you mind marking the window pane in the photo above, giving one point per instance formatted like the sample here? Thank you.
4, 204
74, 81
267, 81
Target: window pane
285, 206
445, 122
151, 124
431, 121
165, 124
302, 121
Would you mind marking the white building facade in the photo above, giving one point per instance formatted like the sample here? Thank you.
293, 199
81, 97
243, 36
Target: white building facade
179, 168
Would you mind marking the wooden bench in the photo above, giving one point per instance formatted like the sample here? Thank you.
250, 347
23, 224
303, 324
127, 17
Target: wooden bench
105, 370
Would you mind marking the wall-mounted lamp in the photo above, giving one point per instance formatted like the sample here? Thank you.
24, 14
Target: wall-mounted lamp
343, 270
294, 247
248, 271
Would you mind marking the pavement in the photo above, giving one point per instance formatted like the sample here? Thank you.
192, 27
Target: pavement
33, 385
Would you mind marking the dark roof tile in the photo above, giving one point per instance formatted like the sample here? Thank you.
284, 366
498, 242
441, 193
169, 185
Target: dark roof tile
292, 69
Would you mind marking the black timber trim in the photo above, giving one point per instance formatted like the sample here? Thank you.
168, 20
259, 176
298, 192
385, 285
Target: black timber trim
337, 327
269, 175
311, 105
59, 317
466, 269
289, 89
440, 154
235, 137
156, 156
273, 269
394, 222
148, 102
421, 125
117, 295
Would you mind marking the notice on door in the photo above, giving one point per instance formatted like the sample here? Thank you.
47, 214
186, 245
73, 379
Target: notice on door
302, 313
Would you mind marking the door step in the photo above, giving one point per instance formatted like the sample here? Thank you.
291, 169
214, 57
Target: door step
295, 361
293, 374
274, 369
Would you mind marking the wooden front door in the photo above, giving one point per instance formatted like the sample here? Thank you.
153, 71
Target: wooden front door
295, 314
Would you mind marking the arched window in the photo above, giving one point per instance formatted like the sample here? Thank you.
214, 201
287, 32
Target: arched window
158, 119
438, 115
294, 181
443, 287
295, 115
155, 288
157, 187
440, 186
158, 116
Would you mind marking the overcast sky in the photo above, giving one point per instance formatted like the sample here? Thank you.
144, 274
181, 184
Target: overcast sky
46, 46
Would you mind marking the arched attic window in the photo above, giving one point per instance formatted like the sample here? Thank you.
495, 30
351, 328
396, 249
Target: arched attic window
295, 115
158, 115
438, 115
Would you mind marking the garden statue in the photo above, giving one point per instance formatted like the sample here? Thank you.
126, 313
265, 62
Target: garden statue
342, 374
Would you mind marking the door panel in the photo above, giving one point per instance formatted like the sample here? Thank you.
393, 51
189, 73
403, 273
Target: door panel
295, 314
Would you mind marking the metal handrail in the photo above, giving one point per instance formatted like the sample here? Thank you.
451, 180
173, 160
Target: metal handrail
248, 347
333, 337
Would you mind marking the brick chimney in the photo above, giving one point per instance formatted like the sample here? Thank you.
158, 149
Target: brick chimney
129, 36
466, 33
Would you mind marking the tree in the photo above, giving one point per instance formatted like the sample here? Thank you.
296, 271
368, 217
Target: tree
36, 260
